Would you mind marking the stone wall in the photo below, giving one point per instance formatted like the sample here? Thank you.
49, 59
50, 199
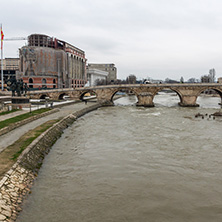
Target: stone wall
17, 182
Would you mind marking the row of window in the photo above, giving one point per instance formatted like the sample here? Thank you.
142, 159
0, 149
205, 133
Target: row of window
44, 83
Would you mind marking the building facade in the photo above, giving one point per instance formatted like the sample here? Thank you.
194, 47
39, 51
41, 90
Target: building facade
94, 75
10, 67
110, 68
48, 62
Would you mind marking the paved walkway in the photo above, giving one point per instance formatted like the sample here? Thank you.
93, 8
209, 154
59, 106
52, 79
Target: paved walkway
10, 115
26, 110
11, 137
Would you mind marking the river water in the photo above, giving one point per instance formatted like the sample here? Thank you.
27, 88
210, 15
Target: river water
128, 163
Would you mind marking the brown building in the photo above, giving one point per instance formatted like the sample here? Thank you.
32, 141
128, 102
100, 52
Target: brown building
110, 68
48, 62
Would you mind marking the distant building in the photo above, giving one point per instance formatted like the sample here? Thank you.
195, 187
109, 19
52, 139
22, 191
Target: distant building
219, 80
10, 67
205, 79
110, 68
94, 75
48, 62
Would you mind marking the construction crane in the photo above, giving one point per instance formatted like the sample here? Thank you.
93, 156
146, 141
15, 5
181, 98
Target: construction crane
15, 38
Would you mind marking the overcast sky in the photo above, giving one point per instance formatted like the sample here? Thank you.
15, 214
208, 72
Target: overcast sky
149, 38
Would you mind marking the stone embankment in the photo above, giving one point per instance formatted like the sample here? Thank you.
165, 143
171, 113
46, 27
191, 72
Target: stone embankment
17, 182
25, 121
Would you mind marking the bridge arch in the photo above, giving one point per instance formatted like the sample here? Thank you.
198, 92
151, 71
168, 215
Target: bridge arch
211, 92
124, 90
87, 93
209, 88
62, 95
169, 90
43, 96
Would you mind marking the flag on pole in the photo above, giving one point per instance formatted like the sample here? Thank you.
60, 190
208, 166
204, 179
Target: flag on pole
2, 37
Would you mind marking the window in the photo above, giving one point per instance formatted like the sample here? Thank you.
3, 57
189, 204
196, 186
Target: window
54, 83
44, 83
31, 83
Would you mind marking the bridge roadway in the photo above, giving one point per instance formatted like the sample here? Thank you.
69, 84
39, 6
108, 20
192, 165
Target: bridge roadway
187, 92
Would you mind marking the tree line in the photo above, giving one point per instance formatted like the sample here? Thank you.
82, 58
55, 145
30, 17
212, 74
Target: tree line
132, 79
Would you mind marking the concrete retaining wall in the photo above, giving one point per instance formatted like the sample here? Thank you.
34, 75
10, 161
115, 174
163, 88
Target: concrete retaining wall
17, 182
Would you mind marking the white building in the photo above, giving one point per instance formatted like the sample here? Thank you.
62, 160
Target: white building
109, 67
95, 74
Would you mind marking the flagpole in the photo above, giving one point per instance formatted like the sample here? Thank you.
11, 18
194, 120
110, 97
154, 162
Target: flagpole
2, 62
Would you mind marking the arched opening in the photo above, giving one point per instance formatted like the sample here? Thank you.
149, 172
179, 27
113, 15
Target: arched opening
63, 96
210, 98
54, 83
167, 97
31, 83
88, 96
71, 66
44, 83
43, 96
124, 97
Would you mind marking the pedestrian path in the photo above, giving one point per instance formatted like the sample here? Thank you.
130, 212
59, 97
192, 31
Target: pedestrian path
11, 115
26, 110
12, 136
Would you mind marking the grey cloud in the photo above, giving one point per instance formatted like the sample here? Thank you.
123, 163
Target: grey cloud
155, 37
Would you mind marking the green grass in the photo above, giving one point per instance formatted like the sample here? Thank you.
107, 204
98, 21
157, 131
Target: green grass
15, 119
7, 112
10, 154
33, 135
23, 146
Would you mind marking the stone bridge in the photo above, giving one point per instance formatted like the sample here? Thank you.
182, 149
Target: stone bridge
187, 92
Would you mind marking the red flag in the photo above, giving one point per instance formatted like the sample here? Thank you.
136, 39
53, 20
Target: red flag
2, 37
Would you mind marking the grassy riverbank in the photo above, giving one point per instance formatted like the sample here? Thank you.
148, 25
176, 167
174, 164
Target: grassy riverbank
18, 118
8, 112
9, 155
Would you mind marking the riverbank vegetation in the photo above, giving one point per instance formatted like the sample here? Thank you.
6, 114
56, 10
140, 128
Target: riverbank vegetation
7, 112
10, 154
21, 117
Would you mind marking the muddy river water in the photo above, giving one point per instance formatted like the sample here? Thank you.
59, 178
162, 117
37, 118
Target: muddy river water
128, 163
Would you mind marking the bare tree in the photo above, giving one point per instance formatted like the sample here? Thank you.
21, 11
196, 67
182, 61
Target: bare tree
181, 79
131, 79
192, 80
205, 78
167, 80
212, 74
100, 82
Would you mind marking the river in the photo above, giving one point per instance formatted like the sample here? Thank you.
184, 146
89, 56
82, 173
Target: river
128, 163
